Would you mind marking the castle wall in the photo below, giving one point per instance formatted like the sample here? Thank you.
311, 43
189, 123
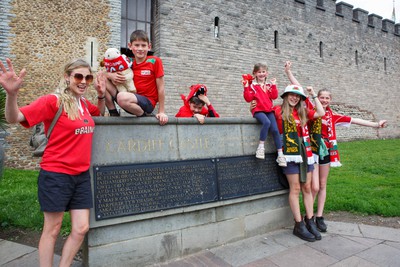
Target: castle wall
193, 55
42, 35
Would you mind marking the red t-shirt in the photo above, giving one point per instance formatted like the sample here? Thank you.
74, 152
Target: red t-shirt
69, 147
300, 130
145, 75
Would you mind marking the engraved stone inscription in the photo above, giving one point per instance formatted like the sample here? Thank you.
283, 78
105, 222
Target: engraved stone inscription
138, 188
244, 176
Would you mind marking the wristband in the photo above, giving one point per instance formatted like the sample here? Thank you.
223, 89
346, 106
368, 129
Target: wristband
100, 98
314, 96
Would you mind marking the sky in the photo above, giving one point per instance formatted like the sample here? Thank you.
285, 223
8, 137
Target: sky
383, 8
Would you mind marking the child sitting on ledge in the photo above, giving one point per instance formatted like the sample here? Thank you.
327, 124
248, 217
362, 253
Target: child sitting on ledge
197, 104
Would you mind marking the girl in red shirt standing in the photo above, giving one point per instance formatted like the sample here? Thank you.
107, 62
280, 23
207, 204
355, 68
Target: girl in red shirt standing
263, 93
64, 179
324, 146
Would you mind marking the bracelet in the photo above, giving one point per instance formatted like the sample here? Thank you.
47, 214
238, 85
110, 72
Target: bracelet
100, 98
314, 96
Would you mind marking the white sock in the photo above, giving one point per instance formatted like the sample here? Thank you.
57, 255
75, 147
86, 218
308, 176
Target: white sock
260, 145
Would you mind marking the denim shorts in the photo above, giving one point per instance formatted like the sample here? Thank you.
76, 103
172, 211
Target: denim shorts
59, 192
294, 168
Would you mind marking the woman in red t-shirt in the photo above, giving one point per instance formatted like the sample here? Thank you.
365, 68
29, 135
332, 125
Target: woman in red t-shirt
64, 179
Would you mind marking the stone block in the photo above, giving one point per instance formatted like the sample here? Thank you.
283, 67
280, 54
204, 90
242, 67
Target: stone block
136, 252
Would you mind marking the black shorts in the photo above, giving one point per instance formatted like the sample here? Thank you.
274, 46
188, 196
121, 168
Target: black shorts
294, 168
326, 160
59, 192
143, 102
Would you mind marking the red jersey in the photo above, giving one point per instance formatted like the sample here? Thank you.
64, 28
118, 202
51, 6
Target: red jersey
145, 75
301, 131
264, 99
337, 119
69, 147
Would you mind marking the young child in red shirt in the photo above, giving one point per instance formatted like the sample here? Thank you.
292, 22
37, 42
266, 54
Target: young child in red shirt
148, 79
263, 93
197, 104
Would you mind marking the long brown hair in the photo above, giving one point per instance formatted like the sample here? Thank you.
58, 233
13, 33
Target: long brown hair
287, 111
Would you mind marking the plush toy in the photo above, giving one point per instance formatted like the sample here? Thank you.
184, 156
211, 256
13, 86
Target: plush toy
247, 78
115, 62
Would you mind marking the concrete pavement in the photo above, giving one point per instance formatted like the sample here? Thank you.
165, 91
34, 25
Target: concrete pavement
345, 244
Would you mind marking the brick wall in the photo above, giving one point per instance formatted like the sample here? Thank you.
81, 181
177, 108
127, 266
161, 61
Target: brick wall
43, 35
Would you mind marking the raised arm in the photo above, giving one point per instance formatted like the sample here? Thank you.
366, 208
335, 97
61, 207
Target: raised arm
289, 74
318, 106
100, 87
11, 83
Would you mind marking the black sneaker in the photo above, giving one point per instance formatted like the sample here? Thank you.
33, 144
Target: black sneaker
319, 221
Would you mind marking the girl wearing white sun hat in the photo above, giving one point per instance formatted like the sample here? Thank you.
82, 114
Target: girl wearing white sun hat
292, 117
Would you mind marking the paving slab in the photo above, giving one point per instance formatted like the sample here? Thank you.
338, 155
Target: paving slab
385, 233
354, 261
337, 246
10, 251
382, 255
251, 249
302, 256
344, 229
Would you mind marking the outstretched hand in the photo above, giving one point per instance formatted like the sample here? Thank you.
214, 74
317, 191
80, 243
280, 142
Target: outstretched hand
10, 81
382, 123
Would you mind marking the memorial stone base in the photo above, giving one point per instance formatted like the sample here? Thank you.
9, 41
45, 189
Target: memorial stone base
165, 192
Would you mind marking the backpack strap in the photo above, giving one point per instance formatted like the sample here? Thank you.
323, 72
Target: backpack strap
55, 119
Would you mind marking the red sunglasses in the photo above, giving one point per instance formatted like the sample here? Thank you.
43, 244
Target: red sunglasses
79, 77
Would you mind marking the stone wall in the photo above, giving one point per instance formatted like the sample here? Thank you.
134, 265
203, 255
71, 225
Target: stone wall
359, 60
42, 36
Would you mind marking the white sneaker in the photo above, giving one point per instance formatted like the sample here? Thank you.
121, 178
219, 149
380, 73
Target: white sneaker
281, 161
260, 153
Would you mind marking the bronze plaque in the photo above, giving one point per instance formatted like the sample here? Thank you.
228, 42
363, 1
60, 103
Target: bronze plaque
138, 188
246, 175
122, 190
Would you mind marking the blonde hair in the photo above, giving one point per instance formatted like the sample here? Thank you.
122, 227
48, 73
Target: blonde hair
287, 111
67, 99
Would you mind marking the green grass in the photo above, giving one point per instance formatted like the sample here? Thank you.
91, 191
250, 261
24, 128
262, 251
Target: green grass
19, 206
369, 180
367, 183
